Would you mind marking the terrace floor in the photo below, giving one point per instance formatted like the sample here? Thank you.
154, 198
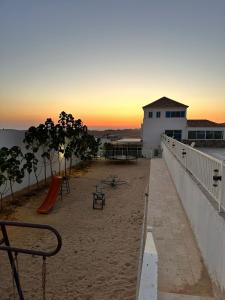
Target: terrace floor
182, 274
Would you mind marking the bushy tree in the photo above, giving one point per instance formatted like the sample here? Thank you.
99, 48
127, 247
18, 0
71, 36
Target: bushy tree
3, 179
37, 139
66, 139
11, 166
30, 165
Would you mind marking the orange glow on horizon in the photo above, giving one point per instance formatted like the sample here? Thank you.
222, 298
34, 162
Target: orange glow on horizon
93, 121
109, 114
109, 122
212, 115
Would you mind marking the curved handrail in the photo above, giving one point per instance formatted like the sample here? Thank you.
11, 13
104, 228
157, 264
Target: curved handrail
3, 224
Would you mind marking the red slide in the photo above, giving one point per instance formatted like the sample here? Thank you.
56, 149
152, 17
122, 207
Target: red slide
51, 197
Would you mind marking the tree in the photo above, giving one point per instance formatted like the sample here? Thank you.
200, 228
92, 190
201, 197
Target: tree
37, 140
68, 131
30, 165
88, 147
66, 139
48, 142
57, 143
3, 179
11, 167
3, 186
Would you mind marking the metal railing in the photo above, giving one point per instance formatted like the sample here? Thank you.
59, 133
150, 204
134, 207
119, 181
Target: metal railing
5, 245
207, 170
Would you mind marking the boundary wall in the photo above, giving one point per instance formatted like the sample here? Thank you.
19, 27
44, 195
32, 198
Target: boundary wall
207, 223
12, 137
147, 279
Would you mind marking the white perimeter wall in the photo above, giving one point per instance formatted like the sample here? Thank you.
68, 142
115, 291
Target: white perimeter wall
208, 226
10, 138
149, 272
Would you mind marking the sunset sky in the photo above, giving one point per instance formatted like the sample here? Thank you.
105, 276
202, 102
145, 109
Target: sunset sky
102, 60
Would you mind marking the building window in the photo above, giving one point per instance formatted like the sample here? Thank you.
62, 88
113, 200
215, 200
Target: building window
167, 114
176, 134
205, 134
209, 135
201, 135
192, 135
175, 114
169, 133
218, 135
158, 114
150, 114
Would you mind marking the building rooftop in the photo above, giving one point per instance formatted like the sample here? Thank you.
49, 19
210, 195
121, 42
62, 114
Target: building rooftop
165, 102
127, 141
203, 123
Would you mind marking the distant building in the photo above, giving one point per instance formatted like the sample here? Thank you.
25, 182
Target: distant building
168, 116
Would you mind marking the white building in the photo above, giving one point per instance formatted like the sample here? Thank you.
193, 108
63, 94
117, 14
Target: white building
168, 116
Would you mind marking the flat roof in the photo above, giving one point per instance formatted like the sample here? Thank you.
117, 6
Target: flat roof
203, 123
127, 141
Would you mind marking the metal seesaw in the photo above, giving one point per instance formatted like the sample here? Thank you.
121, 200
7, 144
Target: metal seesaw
5, 246
113, 181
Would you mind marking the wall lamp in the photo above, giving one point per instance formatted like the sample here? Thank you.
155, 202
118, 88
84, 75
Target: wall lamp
216, 177
183, 153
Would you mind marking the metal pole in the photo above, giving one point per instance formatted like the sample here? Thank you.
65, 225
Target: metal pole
7, 247
15, 274
222, 187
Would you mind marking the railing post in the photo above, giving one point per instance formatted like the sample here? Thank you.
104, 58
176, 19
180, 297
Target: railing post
207, 170
222, 187
12, 263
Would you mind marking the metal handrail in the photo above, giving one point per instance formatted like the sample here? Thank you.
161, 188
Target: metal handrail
164, 137
207, 170
10, 250
31, 251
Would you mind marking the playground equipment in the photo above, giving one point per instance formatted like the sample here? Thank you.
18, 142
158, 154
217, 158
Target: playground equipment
5, 245
125, 149
121, 157
113, 181
65, 186
98, 196
54, 190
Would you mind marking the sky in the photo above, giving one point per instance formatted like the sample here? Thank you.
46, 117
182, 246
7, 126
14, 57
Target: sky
102, 60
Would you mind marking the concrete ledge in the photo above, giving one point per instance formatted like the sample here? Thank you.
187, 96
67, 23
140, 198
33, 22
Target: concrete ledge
149, 273
171, 296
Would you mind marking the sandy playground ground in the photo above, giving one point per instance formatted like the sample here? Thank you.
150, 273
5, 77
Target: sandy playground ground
100, 251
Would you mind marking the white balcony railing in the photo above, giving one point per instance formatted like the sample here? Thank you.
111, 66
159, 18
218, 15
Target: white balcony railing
207, 170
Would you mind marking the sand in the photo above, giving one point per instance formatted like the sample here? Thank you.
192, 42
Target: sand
100, 252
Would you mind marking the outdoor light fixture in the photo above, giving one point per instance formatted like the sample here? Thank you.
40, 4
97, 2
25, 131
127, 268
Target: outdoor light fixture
183, 153
216, 177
